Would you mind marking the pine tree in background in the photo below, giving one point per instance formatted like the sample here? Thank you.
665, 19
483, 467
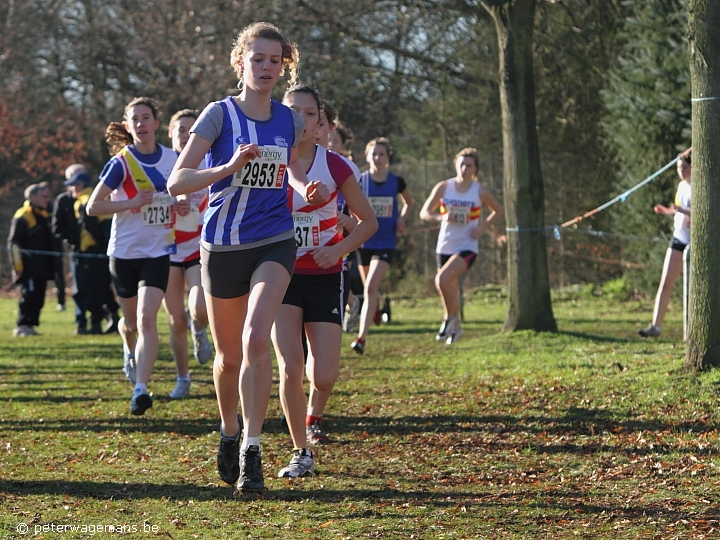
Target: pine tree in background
648, 123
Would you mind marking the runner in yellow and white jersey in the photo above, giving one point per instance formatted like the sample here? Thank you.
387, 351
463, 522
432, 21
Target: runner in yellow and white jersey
142, 236
457, 204
673, 265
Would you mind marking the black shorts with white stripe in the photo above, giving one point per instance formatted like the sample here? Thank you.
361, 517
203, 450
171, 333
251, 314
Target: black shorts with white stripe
320, 296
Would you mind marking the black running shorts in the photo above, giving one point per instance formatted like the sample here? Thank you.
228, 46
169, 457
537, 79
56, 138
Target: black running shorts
366, 255
129, 275
227, 274
320, 296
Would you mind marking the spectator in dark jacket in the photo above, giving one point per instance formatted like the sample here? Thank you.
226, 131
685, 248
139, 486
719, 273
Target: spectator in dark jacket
64, 228
92, 273
30, 231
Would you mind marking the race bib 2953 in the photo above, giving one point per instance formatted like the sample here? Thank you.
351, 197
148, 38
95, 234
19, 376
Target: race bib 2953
264, 172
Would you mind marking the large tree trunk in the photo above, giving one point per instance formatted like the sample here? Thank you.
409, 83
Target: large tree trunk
529, 303
703, 347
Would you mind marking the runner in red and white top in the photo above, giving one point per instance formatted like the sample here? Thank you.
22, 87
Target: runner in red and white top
185, 269
314, 298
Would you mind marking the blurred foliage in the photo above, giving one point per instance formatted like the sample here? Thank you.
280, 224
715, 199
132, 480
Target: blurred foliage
648, 123
611, 82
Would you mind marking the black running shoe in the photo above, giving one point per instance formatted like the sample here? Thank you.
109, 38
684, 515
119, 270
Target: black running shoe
140, 402
228, 458
358, 345
251, 478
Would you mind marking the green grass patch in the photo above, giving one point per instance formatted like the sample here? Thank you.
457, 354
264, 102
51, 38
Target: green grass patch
592, 432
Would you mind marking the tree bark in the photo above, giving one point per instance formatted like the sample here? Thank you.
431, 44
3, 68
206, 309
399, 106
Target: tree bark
529, 302
703, 346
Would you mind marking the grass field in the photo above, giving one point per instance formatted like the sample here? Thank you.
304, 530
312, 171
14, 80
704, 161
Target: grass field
588, 433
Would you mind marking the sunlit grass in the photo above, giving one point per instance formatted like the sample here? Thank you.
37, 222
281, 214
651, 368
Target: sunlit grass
592, 432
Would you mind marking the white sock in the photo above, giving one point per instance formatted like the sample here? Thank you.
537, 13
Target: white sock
184, 378
140, 387
249, 441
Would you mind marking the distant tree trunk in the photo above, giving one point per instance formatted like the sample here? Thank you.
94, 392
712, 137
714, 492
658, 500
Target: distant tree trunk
703, 347
529, 303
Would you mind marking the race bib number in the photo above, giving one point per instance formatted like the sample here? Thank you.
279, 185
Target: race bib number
265, 172
307, 229
159, 211
381, 206
459, 214
189, 223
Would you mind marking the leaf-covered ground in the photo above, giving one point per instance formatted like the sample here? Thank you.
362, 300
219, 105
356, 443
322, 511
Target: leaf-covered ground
592, 432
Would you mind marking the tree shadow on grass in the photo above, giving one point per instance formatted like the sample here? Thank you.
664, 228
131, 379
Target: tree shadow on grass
200, 426
70, 399
595, 337
148, 490
132, 424
565, 505
471, 327
537, 430
576, 421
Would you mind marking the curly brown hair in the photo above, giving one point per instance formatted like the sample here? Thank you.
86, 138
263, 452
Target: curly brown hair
290, 53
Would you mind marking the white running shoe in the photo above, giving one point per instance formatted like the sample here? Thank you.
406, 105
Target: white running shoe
181, 390
129, 366
24, 331
352, 315
446, 329
301, 464
454, 336
203, 352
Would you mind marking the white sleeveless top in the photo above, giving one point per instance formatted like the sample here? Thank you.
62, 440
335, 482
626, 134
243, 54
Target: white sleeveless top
682, 222
146, 232
464, 209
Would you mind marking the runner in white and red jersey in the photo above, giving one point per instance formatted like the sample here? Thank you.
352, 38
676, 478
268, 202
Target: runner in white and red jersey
185, 269
314, 298
457, 204
335, 136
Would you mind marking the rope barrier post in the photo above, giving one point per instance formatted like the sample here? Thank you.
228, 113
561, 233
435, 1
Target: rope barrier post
686, 292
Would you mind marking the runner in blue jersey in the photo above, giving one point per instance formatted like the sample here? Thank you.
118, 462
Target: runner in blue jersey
382, 188
247, 245
142, 235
